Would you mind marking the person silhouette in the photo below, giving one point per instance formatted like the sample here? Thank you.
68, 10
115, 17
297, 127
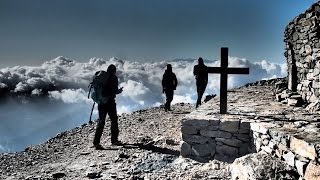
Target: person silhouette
200, 71
110, 90
169, 84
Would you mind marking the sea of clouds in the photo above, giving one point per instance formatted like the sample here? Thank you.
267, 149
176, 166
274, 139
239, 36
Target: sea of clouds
41, 101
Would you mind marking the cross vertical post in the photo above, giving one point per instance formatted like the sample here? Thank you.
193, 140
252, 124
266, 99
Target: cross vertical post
223, 81
224, 71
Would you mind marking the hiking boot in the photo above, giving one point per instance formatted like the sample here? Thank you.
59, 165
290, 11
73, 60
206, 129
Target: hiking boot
116, 142
98, 147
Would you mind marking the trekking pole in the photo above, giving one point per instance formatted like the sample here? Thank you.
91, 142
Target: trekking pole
91, 112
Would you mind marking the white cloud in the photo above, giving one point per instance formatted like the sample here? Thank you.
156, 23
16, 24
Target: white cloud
2, 85
284, 69
70, 96
133, 88
67, 80
66, 83
36, 92
183, 98
21, 87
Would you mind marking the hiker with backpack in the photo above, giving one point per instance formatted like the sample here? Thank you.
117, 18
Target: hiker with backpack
169, 84
105, 89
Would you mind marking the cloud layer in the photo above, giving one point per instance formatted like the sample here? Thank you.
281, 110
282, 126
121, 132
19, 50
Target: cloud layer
67, 80
45, 100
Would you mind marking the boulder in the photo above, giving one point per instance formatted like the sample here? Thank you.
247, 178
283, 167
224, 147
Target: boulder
303, 148
261, 166
312, 171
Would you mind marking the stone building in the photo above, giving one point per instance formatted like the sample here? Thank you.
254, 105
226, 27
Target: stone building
302, 51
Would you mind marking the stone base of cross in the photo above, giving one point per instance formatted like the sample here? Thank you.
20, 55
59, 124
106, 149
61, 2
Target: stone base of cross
224, 70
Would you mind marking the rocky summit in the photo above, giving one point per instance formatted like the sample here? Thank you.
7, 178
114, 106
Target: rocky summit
150, 150
153, 143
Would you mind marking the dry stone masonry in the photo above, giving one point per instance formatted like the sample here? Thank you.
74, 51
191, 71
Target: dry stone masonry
255, 123
214, 137
302, 51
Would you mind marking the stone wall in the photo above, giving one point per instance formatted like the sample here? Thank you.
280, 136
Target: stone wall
226, 139
280, 141
302, 51
257, 124
215, 138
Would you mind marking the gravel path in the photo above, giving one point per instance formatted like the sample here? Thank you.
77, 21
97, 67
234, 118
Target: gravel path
151, 144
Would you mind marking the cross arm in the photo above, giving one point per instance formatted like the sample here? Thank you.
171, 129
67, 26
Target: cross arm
238, 70
214, 69
218, 70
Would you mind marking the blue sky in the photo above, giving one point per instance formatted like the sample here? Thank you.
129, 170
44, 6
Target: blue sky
34, 31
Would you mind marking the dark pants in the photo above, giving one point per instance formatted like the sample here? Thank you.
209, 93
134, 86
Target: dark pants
200, 91
169, 98
104, 109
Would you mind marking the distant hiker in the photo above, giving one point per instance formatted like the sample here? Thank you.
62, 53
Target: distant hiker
201, 74
169, 84
105, 85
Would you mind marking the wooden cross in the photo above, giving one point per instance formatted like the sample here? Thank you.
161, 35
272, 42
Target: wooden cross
224, 71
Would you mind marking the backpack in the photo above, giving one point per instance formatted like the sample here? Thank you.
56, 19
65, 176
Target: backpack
99, 80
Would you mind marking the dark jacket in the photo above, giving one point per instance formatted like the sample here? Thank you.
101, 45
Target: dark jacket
111, 87
201, 74
169, 80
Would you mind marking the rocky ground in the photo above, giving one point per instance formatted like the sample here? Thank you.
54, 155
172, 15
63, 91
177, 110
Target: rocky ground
151, 148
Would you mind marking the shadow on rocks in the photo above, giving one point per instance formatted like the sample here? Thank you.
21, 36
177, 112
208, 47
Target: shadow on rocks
151, 147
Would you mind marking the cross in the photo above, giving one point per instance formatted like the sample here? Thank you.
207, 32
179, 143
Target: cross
224, 71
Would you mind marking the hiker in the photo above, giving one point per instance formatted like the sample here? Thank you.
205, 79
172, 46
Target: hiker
201, 74
109, 91
169, 84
